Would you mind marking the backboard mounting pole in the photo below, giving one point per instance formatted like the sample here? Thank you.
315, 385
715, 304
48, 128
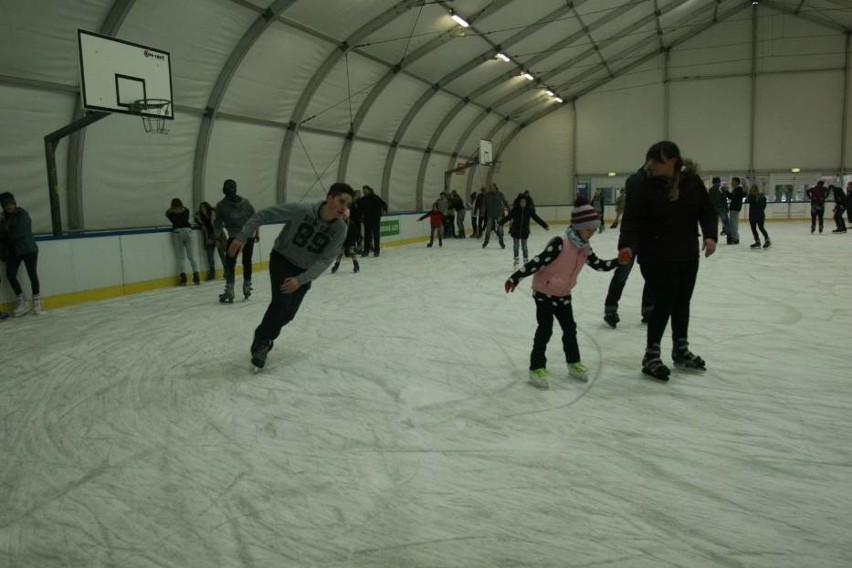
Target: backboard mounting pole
50, 143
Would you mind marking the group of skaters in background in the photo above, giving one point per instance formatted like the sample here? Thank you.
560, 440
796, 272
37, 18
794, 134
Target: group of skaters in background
818, 196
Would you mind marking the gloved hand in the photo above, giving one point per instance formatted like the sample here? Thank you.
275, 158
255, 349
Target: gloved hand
510, 286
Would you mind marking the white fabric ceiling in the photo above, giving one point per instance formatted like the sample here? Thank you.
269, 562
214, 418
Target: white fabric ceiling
398, 83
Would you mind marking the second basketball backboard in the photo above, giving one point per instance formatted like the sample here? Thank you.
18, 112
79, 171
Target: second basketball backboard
117, 74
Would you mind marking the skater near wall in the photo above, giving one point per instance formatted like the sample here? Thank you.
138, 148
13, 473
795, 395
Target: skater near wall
372, 208
349, 244
598, 204
619, 208
520, 215
817, 195
231, 214
659, 226
839, 208
21, 247
204, 218
182, 240
757, 215
436, 224
307, 245
735, 206
720, 204
555, 272
495, 205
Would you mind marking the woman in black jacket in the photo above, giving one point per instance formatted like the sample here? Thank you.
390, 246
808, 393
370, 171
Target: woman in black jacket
660, 227
520, 214
757, 215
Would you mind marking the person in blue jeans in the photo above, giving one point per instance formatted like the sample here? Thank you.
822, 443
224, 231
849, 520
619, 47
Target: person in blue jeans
307, 245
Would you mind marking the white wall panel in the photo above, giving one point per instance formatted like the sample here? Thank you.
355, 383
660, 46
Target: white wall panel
448, 140
404, 34
788, 43
483, 73
510, 86
383, 118
38, 38
448, 57
313, 166
366, 162
433, 183
539, 159
198, 34
798, 121
615, 128
270, 78
710, 121
403, 180
724, 48
330, 107
338, 19
130, 177
248, 154
423, 125
27, 116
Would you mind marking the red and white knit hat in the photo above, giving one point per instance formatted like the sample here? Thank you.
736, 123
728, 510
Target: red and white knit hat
584, 216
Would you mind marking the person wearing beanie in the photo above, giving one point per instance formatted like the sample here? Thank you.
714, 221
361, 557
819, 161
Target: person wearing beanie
555, 271
310, 239
660, 227
231, 214
182, 240
18, 242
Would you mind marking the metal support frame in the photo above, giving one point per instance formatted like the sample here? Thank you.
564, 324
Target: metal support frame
50, 143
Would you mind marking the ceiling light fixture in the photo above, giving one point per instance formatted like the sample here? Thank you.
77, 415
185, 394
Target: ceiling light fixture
796, 170
527, 76
557, 99
459, 20
549, 93
504, 57
611, 174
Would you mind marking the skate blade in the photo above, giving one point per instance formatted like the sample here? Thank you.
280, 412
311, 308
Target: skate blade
653, 376
691, 370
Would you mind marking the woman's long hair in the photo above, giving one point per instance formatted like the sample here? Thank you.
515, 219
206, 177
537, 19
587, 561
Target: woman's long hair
666, 150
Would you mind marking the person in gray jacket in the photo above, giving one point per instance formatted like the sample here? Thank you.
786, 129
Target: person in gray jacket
495, 204
312, 235
231, 214
16, 232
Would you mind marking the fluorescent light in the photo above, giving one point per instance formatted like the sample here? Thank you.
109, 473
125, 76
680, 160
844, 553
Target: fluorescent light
549, 93
460, 21
611, 174
504, 57
527, 76
557, 99
796, 170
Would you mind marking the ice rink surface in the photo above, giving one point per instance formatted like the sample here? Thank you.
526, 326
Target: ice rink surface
394, 425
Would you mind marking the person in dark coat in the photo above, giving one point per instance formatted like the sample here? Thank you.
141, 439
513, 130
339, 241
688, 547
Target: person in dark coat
735, 197
839, 208
16, 234
660, 227
757, 215
720, 204
520, 215
372, 207
817, 195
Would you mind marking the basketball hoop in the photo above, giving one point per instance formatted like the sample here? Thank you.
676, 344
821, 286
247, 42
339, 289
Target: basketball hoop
154, 113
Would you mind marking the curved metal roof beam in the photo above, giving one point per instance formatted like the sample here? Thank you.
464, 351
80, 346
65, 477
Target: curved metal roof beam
205, 131
439, 130
806, 16
379, 87
74, 180
317, 79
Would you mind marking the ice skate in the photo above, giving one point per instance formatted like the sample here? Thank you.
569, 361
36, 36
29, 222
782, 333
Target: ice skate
686, 359
182, 281
538, 378
22, 308
756, 245
36, 309
259, 350
429, 245
611, 318
767, 244
227, 297
196, 279
356, 267
211, 275
653, 366
335, 267
246, 289
578, 371
516, 263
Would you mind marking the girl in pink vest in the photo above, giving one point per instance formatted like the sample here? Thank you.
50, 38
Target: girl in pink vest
555, 272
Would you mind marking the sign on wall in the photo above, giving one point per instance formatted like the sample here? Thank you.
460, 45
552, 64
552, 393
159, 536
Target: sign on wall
389, 228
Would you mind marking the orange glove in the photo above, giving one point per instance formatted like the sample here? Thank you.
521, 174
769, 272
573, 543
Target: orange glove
624, 256
509, 286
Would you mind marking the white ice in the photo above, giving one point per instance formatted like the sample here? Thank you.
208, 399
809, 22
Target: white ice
394, 425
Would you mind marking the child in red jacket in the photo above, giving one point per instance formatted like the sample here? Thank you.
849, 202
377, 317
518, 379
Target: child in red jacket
436, 221
555, 272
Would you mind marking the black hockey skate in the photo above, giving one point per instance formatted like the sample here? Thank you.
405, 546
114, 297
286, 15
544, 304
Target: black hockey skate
246, 289
227, 297
654, 367
259, 350
612, 319
356, 267
686, 359
335, 267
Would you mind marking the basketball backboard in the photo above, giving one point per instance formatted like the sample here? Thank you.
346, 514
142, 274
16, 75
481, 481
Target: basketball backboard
486, 156
116, 74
